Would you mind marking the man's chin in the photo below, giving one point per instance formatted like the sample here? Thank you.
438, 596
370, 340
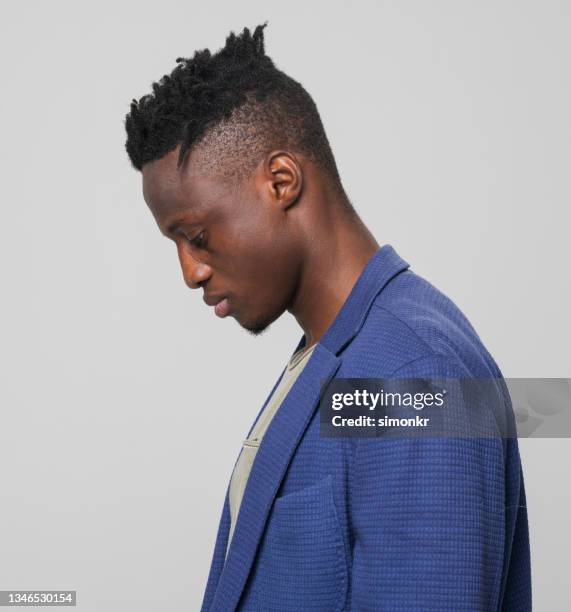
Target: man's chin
257, 326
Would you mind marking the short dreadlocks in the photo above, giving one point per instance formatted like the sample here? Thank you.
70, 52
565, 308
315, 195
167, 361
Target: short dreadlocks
234, 104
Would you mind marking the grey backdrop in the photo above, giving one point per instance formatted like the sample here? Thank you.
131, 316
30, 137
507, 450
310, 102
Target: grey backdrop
450, 123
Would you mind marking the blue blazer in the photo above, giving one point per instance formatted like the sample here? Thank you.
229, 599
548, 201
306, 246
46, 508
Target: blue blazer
332, 524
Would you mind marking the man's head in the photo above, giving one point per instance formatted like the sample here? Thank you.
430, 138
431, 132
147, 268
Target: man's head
228, 145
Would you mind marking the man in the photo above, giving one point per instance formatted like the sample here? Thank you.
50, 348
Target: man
238, 172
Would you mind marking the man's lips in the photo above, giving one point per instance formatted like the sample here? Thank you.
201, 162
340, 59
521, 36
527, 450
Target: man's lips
222, 308
221, 304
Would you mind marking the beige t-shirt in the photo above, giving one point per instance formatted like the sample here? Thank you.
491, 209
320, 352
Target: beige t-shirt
252, 442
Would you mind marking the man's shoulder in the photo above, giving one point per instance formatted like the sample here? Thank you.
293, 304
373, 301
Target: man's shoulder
412, 320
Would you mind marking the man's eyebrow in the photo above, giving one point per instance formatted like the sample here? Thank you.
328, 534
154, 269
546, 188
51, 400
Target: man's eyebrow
174, 225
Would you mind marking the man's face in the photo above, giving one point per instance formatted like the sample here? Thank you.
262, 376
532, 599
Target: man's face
233, 239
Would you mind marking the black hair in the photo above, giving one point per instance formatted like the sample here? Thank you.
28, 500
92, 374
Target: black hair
236, 103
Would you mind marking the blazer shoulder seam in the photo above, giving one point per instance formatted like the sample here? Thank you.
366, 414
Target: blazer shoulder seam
432, 355
413, 331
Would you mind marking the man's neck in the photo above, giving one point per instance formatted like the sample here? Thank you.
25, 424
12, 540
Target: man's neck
334, 260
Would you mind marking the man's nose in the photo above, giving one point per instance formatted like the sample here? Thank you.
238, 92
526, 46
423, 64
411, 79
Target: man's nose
194, 272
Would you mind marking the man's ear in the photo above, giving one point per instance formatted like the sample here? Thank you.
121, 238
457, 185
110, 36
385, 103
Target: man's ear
283, 177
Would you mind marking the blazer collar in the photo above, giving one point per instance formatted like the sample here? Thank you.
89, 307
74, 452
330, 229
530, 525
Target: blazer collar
228, 575
383, 265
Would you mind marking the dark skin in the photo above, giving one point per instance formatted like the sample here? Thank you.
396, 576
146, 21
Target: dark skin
278, 240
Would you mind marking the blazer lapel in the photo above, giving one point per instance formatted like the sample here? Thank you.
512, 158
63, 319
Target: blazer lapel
272, 460
228, 577
219, 556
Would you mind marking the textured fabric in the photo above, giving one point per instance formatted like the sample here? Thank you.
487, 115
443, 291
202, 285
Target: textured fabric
251, 444
346, 524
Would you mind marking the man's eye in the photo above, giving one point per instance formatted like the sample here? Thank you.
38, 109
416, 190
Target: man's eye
197, 240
